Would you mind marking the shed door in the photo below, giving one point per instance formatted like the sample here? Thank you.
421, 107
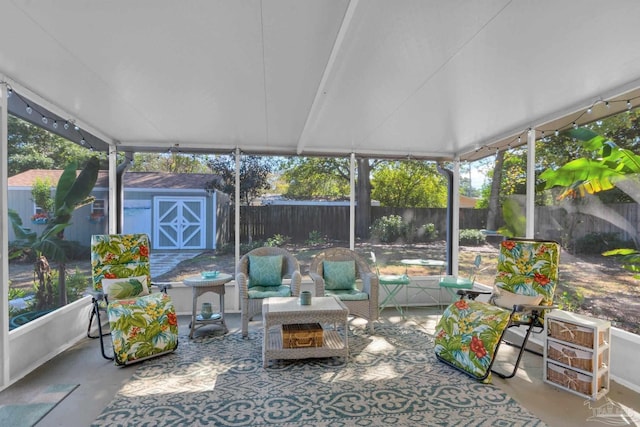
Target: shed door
180, 223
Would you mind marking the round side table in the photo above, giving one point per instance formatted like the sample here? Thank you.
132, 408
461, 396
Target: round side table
201, 285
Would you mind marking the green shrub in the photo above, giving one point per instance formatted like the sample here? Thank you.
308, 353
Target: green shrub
426, 233
597, 243
389, 229
277, 240
570, 300
15, 293
247, 247
76, 285
315, 238
472, 237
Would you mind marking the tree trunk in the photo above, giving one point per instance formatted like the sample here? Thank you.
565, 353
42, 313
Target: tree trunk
363, 197
494, 197
44, 291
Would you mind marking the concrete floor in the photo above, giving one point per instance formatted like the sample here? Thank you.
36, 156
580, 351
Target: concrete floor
100, 380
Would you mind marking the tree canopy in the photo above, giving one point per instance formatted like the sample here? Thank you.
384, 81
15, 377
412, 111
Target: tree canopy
171, 162
316, 177
32, 147
255, 172
404, 183
554, 151
409, 183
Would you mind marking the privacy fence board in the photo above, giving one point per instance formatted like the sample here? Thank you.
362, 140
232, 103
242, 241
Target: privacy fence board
297, 221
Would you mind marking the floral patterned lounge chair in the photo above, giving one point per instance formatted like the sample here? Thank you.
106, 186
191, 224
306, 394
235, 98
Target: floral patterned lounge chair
143, 324
469, 333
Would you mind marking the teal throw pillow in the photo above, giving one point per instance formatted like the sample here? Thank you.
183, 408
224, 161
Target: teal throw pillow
339, 274
265, 270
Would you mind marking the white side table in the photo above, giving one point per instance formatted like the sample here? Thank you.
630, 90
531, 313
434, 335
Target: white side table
201, 285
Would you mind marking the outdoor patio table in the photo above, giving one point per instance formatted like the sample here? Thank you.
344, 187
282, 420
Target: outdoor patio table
392, 284
425, 263
201, 285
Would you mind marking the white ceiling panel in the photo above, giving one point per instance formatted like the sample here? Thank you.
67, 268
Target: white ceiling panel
423, 78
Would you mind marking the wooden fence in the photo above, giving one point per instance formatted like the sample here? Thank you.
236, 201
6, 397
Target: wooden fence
297, 221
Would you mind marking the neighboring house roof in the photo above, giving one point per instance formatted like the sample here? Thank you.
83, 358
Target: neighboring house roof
468, 202
131, 179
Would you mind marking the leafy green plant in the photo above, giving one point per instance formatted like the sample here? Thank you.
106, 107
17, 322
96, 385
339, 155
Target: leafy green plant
247, 247
277, 240
71, 193
472, 237
388, 229
590, 176
315, 238
41, 194
15, 293
423, 233
570, 300
630, 259
611, 167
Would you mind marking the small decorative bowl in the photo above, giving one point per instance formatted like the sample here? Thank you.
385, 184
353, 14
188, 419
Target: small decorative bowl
210, 274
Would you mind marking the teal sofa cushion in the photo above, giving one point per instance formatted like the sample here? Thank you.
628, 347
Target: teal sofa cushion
348, 294
259, 292
265, 270
339, 275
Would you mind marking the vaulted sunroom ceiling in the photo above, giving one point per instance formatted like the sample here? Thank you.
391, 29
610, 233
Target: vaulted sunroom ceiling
420, 78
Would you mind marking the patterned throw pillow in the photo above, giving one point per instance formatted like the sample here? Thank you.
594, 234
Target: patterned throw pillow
125, 287
265, 270
339, 275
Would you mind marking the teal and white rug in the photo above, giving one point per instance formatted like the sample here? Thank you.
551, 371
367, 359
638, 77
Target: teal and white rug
392, 378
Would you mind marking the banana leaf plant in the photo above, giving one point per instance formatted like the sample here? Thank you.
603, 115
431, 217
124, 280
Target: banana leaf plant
584, 176
613, 167
71, 193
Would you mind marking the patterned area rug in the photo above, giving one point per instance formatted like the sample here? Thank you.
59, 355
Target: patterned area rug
392, 378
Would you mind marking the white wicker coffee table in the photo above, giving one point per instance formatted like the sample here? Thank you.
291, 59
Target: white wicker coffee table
328, 311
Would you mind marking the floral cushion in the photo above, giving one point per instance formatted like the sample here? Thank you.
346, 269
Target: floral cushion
339, 275
528, 268
142, 327
468, 334
265, 270
116, 256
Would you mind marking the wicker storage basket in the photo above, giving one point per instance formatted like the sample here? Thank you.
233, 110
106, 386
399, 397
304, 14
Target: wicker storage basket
302, 335
570, 356
573, 333
571, 379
